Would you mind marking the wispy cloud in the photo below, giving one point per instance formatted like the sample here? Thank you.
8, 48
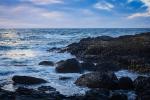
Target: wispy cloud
129, 1
23, 15
145, 14
104, 6
44, 2
29, 11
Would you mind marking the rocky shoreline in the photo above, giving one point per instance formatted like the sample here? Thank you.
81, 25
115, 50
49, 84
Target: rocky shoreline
102, 56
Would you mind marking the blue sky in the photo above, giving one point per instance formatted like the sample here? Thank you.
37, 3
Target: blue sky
74, 13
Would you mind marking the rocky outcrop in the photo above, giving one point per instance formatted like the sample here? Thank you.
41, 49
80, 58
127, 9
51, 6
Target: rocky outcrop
69, 66
27, 80
129, 52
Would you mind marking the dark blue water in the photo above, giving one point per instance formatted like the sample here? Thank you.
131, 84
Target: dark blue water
22, 49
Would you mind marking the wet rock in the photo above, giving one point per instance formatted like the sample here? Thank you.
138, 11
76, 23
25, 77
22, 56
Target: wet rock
144, 95
107, 66
117, 96
98, 80
46, 88
129, 52
47, 63
142, 83
54, 49
40, 94
97, 94
88, 66
64, 78
7, 95
25, 91
69, 66
125, 83
28, 80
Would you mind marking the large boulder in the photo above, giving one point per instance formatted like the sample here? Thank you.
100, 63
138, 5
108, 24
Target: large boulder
28, 80
98, 80
47, 63
69, 66
125, 83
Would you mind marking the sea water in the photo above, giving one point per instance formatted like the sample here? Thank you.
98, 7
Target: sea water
21, 50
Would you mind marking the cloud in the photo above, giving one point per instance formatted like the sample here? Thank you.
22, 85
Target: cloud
29, 11
145, 14
28, 16
104, 6
129, 1
44, 2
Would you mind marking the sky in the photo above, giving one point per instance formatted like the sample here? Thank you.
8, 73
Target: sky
74, 13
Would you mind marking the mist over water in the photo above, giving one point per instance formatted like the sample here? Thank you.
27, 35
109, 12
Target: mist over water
21, 50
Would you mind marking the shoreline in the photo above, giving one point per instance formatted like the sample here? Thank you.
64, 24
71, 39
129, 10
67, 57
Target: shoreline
131, 52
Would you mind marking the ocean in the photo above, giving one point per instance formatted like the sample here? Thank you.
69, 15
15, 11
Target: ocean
21, 50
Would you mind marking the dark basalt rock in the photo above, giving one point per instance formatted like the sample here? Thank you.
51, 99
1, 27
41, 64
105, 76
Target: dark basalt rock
129, 52
47, 63
7, 95
40, 94
142, 84
64, 78
97, 94
107, 66
69, 66
117, 96
46, 88
144, 95
125, 83
142, 87
54, 49
98, 80
28, 80
88, 66
25, 91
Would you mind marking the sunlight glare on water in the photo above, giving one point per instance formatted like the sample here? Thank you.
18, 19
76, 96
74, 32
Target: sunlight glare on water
18, 54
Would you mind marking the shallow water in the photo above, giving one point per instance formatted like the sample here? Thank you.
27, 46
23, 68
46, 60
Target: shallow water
22, 49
